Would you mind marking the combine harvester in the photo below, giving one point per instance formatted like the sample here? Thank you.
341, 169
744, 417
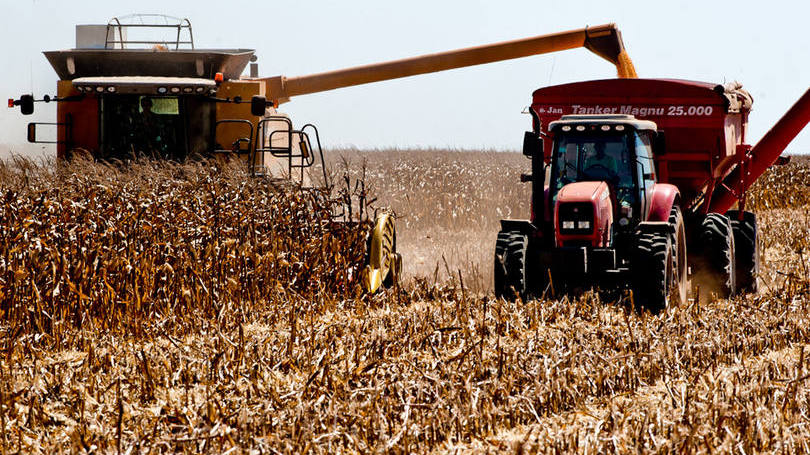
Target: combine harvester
632, 175
121, 94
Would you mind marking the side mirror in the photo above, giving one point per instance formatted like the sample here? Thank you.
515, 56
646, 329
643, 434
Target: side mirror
258, 105
32, 132
532, 144
659, 144
27, 104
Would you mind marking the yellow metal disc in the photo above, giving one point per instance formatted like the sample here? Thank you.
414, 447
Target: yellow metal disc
382, 253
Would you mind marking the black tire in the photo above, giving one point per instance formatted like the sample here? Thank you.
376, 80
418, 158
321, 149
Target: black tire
679, 259
392, 278
717, 241
652, 271
746, 250
501, 245
394, 268
516, 266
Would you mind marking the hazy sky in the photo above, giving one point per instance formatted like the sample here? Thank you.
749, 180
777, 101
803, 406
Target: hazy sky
763, 44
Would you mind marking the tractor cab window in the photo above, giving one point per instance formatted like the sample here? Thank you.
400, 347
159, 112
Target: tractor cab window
643, 145
157, 127
590, 157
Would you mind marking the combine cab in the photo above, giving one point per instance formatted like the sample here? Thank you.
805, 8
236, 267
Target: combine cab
122, 95
634, 184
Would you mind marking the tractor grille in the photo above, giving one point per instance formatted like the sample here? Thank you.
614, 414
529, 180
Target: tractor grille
576, 218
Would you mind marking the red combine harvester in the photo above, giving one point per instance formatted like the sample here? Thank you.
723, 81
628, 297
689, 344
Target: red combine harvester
632, 174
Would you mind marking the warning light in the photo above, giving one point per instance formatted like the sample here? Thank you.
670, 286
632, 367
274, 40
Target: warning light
218, 78
11, 102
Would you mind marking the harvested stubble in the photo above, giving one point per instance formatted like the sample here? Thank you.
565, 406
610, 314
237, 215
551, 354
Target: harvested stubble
427, 368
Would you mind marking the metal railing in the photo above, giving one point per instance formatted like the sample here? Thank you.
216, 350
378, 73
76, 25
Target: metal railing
116, 26
306, 153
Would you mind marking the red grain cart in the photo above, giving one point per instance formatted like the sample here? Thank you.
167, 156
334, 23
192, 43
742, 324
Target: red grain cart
632, 174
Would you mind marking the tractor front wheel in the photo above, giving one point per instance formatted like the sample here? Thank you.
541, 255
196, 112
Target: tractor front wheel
653, 271
678, 245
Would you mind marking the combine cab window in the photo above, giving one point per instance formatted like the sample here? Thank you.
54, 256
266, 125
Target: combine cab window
159, 127
160, 106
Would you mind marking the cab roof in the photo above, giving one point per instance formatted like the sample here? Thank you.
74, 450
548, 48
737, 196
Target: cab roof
604, 119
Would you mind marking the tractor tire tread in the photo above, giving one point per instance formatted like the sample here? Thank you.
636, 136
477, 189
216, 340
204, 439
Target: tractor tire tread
652, 264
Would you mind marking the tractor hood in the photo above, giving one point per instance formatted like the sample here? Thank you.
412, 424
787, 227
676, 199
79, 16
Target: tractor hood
583, 215
583, 192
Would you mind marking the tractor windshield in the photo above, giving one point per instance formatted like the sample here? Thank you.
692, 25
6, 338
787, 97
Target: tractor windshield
594, 157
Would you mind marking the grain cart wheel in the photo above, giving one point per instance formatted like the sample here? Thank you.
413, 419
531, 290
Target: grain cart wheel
501, 244
717, 241
746, 250
678, 245
383, 261
652, 271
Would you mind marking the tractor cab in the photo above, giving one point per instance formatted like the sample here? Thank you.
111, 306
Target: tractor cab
614, 149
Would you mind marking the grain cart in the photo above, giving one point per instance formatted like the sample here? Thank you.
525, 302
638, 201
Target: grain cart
628, 175
138, 85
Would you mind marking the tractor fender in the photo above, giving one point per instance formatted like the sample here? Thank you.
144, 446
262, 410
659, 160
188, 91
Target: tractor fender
525, 227
664, 195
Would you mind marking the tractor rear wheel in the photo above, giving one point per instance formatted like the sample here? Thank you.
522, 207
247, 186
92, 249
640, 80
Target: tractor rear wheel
747, 251
717, 240
653, 270
510, 265
678, 244
516, 260
501, 244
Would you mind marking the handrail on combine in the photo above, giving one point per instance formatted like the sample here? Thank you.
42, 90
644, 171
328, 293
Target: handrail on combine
264, 140
265, 144
320, 150
236, 147
115, 25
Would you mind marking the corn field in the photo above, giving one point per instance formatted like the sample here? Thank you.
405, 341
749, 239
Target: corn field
155, 308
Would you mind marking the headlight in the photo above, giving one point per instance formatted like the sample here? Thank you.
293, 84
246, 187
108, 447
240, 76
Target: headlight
575, 218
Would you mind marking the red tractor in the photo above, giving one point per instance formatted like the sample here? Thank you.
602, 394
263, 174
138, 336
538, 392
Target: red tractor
628, 175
